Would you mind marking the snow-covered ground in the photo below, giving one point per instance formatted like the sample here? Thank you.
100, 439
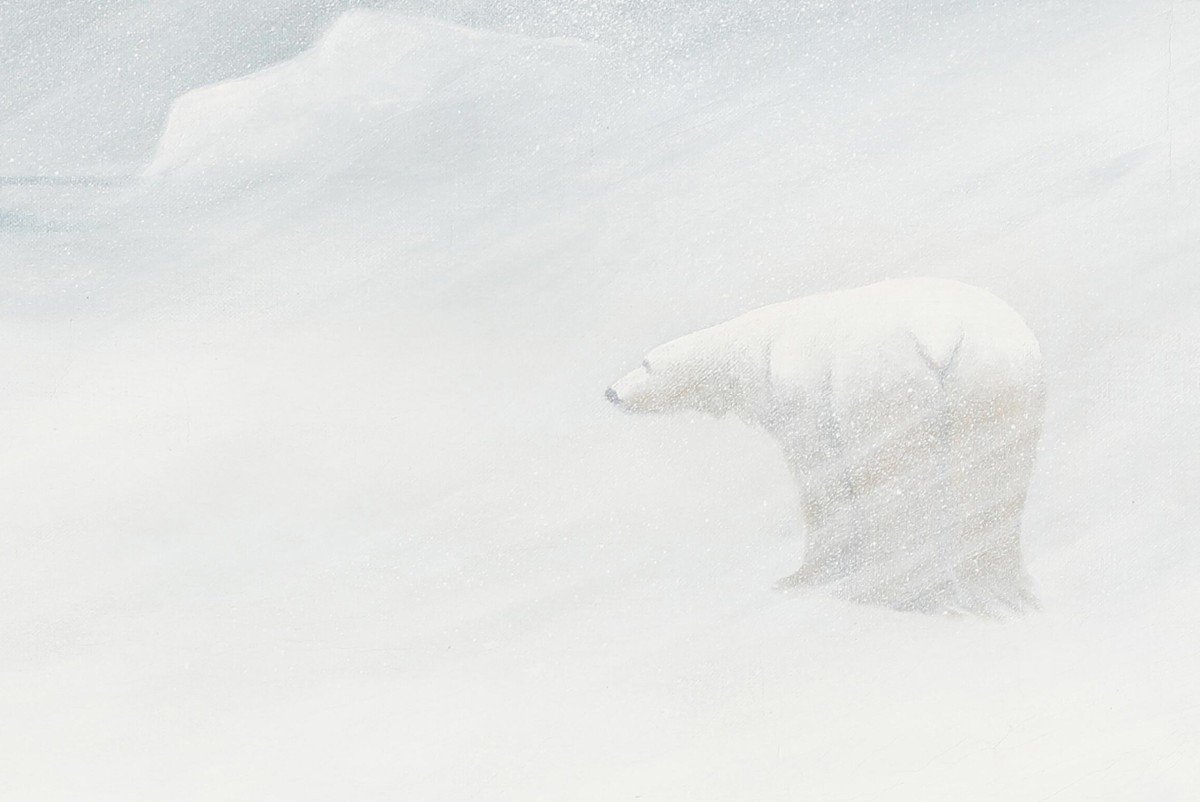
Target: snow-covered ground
309, 487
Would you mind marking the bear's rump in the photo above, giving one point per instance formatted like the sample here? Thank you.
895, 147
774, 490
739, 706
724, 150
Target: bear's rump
920, 506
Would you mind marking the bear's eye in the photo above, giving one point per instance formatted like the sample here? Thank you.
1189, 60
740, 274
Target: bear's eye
646, 364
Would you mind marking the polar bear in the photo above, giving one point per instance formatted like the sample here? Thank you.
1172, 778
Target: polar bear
909, 413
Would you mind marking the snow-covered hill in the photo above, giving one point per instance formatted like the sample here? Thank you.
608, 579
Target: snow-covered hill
86, 83
311, 490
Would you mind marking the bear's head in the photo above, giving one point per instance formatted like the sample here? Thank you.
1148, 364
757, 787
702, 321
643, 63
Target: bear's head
700, 372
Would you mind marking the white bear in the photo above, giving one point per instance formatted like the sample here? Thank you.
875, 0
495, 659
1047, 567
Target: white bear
909, 412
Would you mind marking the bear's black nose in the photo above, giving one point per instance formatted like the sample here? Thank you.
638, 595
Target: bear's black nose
611, 395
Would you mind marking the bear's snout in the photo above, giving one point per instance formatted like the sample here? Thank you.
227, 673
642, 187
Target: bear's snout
612, 396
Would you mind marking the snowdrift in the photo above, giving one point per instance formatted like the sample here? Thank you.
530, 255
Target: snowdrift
87, 84
378, 87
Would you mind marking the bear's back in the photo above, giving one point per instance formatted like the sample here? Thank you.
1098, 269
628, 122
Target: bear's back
898, 327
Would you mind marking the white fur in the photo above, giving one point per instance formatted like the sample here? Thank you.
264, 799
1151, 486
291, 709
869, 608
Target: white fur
909, 413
